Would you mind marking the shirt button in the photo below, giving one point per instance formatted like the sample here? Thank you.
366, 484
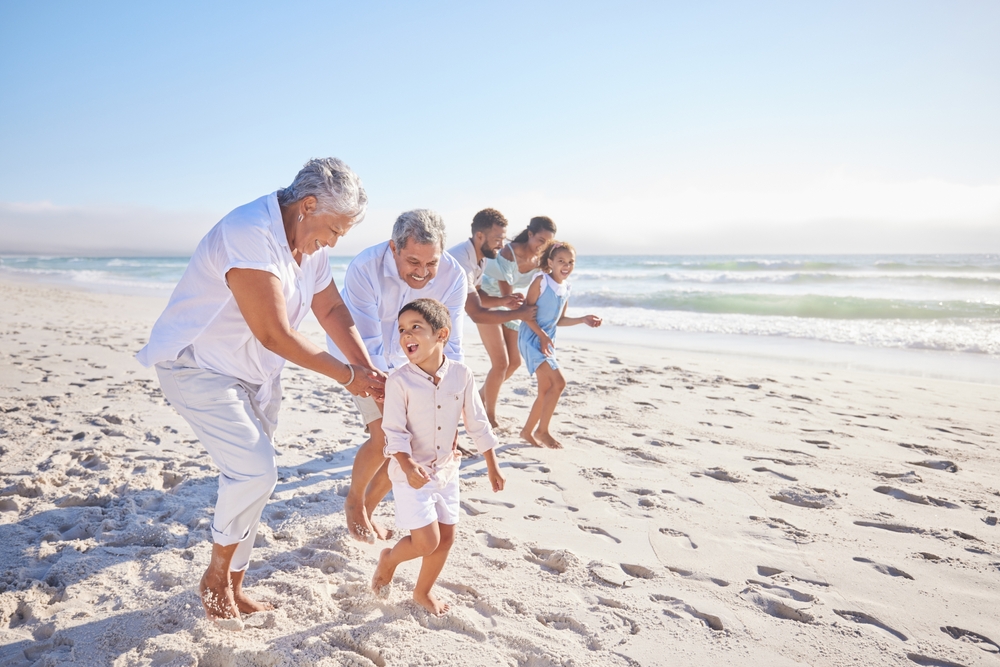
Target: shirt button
439, 407
439, 428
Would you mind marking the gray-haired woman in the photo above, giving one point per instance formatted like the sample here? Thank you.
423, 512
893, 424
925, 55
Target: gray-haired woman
225, 335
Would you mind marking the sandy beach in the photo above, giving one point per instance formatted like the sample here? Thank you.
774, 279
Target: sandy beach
706, 510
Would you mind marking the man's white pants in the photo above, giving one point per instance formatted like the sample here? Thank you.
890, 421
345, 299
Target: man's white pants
236, 431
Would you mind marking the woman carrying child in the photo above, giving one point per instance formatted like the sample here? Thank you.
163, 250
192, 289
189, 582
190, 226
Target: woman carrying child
513, 268
549, 292
424, 400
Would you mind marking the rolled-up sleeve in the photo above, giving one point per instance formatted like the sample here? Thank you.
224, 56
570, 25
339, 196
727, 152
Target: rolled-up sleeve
474, 417
397, 435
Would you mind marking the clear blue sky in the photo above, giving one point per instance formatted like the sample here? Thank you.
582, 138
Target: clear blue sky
666, 127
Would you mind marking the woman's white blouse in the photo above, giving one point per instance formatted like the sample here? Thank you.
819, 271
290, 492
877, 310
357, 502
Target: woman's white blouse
202, 312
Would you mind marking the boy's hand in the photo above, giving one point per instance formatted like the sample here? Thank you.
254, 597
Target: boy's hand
592, 320
415, 474
497, 480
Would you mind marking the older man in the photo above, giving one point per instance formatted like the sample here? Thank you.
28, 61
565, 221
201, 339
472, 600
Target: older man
489, 227
379, 282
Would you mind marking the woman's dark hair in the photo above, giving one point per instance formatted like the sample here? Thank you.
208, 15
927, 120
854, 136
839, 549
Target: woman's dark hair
536, 225
550, 250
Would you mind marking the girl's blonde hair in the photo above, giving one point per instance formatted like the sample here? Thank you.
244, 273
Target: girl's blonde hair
551, 249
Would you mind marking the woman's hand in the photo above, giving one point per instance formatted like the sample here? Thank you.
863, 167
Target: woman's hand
367, 382
592, 320
513, 301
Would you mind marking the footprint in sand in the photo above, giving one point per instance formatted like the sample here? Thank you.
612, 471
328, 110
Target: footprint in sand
487, 501
928, 661
974, 638
775, 606
600, 532
893, 527
676, 604
868, 619
552, 503
683, 538
783, 591
776, 474
947, 466
899, 494
494, 542
884, 569
719, 474
556, 560
803, 498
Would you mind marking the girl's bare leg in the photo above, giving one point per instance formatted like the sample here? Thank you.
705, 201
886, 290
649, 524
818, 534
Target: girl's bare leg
496, 348
513, 354
420, 542
544, 385
556, 384
430, 569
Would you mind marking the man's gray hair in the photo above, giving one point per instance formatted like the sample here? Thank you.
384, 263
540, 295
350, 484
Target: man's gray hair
337, 189
420, 225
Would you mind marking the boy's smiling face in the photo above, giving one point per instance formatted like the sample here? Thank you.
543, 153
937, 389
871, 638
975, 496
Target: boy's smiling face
422, 345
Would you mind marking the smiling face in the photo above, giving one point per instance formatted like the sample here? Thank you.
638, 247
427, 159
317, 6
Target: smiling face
417, 263
490, 241
321, 230
537, 241
561, 264
423, 346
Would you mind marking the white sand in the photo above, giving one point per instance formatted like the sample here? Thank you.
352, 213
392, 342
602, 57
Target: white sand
704, 512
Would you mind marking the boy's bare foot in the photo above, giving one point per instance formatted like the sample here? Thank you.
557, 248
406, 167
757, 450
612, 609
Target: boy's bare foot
526, 436
357, 521
217, 599
382, 579
431, 603
547, 440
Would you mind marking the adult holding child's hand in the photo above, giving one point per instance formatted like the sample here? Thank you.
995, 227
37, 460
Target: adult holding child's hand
226, 333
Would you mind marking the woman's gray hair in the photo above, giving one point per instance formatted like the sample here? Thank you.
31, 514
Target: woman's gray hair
337, 189
420, 225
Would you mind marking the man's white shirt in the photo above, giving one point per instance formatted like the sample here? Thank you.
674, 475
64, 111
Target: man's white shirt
374, 292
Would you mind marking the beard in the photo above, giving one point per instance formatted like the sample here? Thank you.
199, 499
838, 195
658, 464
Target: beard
488, 252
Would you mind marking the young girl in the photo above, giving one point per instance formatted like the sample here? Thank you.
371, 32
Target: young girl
550, 293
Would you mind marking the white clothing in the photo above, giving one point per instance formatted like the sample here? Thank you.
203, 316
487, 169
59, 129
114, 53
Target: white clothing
374, 293
236, 431
465, 254
434, 501
421, 418
203, 313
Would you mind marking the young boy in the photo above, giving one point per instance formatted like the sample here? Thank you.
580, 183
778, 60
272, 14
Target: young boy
424, 400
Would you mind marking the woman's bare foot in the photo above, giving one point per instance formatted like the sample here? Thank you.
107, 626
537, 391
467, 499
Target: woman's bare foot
217, 599
526, 436
382, 579
431, 603
357, 521
547, 440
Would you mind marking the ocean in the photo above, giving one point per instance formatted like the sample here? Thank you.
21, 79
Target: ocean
942, 303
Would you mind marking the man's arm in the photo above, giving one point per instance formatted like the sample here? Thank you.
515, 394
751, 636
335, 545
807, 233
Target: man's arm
364, 300
455, 302
478, 313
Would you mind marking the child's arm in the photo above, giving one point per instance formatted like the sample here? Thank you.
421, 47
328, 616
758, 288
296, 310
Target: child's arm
397, 437
535, 291
497, 480
415, 473
589, 320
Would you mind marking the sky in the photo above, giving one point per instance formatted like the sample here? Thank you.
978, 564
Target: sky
639, 127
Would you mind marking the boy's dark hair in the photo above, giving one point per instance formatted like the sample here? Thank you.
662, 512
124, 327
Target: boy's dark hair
433, 311
486, 219
536, 225
551, 249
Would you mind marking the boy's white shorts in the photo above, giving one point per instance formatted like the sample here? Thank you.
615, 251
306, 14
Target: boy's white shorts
416, 508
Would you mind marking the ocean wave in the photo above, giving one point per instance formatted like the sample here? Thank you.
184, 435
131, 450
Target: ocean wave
966, 336
811, 306
980, 279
